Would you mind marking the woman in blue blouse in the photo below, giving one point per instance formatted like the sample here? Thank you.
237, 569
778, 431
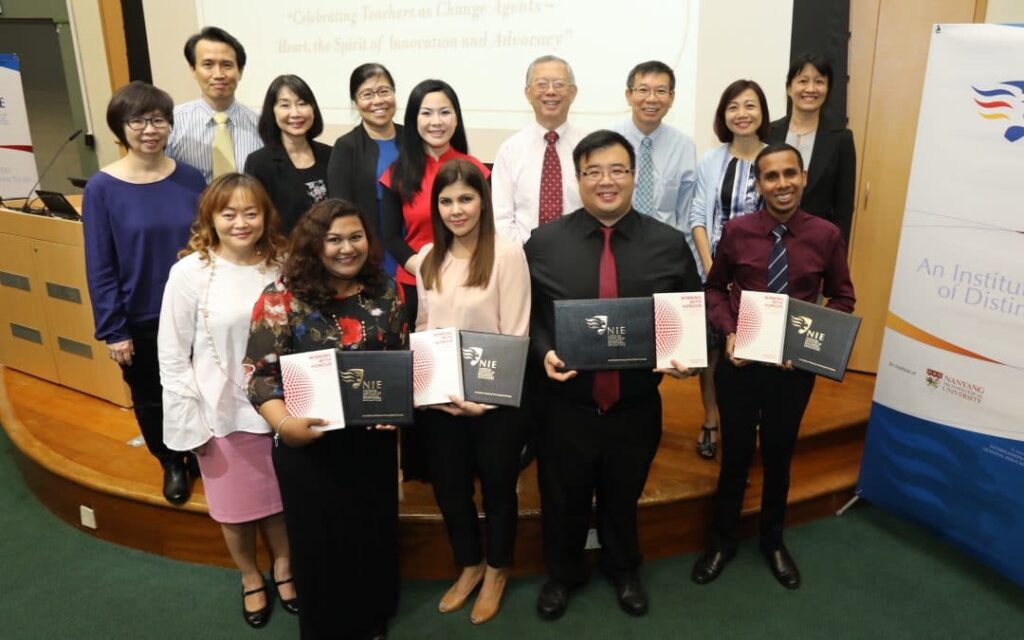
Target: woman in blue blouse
725, 190
136, 216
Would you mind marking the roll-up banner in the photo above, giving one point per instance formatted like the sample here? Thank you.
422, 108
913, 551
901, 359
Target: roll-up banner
945, 441
17, 161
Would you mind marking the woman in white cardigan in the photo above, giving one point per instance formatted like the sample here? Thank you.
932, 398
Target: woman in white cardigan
725, 190
204, 328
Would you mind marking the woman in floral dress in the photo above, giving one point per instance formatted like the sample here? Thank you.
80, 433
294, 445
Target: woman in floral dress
339, 487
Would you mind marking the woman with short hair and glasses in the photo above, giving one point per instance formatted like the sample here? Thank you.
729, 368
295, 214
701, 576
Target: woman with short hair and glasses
361, 156
292, 166
136, 215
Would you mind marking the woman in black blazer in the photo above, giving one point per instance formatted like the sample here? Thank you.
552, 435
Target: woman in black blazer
360, 156
827, 149
292, 167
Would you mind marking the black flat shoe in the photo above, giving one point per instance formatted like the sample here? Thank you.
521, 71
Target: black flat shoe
552, 600
192, 466
175, 482
783, 567
706, 447
256, 619
631, 594
292, 604
710, 565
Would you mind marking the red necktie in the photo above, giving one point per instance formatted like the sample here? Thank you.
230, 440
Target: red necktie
550, 183
606, 383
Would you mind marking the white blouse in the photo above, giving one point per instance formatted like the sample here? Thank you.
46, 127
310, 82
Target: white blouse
204, 330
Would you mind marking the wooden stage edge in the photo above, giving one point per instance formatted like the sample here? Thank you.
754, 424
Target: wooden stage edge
73, 451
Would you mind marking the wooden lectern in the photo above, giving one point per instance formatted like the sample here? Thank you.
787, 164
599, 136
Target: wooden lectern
46, 324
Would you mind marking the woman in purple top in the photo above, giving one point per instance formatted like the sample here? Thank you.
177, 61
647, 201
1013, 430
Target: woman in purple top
136, 216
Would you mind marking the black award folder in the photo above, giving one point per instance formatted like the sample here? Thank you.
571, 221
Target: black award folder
819, 339
605, 333
493, 366
376, 387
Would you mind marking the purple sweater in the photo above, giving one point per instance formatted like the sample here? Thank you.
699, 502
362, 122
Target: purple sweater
133, 233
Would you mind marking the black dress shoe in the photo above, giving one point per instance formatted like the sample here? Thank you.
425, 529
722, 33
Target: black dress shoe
259, 618
552, 600
783, 567
292, 604
631, 594
709, 566
175, 482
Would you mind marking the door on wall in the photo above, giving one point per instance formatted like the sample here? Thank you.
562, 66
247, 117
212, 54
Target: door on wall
888, 55
46, 98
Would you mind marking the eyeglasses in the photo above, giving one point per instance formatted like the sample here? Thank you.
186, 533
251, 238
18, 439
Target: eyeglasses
615, 173
558, 84
644, 91
139, 124
382, 93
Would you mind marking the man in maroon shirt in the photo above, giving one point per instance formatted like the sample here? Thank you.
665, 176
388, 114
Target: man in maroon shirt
752, 394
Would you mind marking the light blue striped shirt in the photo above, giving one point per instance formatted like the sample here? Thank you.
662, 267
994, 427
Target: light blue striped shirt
675, 172
191, 138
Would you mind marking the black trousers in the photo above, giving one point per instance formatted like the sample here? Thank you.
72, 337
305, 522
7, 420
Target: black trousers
583, 454
414, 459
143, 379
488, 447
340, 498
750, 396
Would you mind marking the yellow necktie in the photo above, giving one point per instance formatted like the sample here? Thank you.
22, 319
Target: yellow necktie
223, 147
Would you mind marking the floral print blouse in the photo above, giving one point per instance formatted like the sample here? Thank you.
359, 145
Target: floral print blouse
283, 324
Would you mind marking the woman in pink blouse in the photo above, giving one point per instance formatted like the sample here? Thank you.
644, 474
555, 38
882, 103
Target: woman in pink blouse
474, 280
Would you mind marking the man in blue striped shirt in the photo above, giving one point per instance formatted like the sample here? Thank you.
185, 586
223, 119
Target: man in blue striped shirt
217, 60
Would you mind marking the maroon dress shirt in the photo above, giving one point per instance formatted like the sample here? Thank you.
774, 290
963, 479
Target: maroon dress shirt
816, 254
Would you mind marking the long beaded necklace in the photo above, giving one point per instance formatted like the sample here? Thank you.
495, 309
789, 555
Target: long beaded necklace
204, 311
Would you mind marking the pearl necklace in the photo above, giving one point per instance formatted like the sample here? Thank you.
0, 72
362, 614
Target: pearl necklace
204, 311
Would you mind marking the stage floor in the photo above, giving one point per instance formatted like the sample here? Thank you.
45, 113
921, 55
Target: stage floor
75, 451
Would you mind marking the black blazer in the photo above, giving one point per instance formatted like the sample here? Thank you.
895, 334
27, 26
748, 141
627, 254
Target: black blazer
275, 171
831, 178
352, 171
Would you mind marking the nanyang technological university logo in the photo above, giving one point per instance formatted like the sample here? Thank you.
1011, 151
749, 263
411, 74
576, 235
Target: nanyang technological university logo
1003, 101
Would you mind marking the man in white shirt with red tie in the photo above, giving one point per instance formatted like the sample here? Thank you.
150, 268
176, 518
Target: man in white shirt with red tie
533, 181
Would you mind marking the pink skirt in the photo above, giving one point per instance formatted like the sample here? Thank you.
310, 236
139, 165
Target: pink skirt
239, 478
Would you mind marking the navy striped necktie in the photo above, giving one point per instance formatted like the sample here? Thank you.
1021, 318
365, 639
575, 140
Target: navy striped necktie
778, 265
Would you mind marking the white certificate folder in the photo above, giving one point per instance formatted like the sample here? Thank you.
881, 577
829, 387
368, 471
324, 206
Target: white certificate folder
761, 326
311, 387
680, 329
436, 366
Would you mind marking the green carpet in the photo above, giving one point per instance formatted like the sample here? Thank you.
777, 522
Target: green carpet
866, 575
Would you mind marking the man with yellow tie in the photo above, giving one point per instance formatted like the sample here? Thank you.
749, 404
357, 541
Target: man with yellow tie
214, 133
